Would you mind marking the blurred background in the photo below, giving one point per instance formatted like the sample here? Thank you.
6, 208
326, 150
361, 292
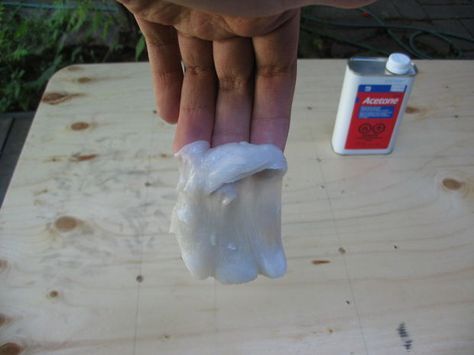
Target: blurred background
39, 37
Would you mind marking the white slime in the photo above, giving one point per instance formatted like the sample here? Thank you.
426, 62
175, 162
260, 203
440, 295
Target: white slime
227, 217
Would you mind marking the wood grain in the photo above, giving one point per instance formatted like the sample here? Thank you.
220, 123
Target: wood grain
380, 249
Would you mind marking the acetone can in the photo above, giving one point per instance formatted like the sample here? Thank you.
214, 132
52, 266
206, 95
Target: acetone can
373, 100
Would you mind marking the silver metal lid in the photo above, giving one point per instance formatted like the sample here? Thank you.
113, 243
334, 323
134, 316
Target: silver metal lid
375, 66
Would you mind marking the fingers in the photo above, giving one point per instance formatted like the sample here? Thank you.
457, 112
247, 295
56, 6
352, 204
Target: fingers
198, 94
247, 96
165, 61
234, 63
275, 77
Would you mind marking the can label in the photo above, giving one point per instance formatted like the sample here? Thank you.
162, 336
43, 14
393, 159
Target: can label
374, 116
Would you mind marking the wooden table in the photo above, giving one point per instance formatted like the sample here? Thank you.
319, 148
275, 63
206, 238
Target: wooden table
380, 249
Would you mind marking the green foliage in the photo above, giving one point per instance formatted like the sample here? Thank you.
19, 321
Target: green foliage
36, 43
139, 48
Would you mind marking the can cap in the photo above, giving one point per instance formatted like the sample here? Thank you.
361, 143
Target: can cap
398, 63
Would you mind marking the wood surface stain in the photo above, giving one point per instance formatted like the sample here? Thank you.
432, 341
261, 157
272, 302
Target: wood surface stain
452, 184
66, 223
54, 159
320, 262
53, 294
10, 349
4, 320
411, 109
40, 192
84, 80
79, 126
404, 336
3, 265
82, 157
54, 98
418, 113
75, 158
342, 251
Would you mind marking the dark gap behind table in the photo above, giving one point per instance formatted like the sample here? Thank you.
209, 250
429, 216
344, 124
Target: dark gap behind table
14, 128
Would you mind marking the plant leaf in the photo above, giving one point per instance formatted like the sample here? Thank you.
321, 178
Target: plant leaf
139, 48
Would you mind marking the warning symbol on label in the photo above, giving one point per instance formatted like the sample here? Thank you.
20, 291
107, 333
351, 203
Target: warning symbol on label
378, 128
371, 131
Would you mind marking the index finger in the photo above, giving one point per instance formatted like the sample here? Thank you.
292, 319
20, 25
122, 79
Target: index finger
198, 93
275, 59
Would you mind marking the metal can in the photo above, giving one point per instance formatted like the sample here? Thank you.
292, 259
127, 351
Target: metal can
373, 100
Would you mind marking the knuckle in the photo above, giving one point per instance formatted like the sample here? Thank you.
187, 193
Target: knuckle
159, 40
199, 70
231, 82
274, 70
169, 76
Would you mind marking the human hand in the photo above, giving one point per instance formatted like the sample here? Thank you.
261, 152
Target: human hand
239, 73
